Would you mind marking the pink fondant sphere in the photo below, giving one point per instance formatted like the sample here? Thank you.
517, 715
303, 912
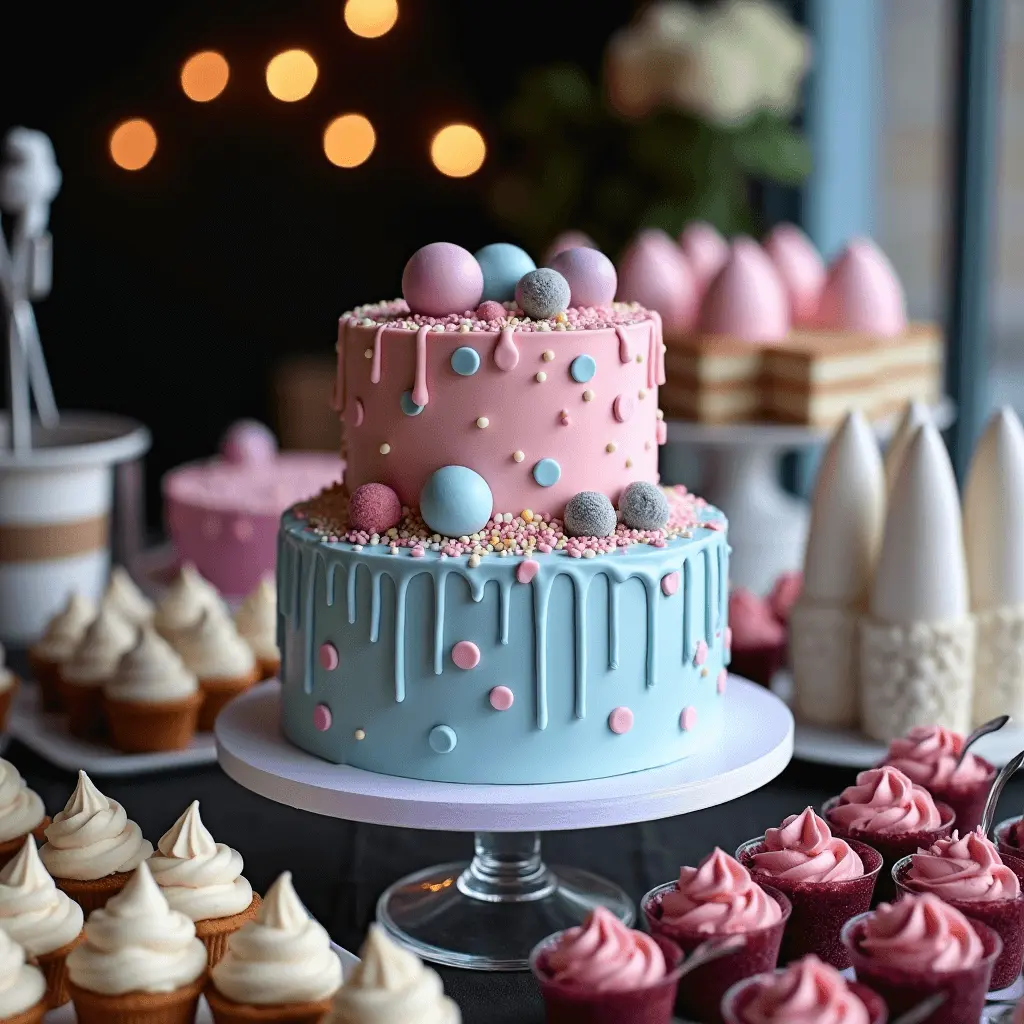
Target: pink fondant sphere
249, 441
567, 240
591, 276
491, 310
442, 278
374, 508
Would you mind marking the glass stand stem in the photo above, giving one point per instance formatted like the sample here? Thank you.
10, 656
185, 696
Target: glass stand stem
507, 868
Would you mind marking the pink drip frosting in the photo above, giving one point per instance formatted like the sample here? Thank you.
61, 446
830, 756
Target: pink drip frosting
801, 268
963, 869
746, 300
654, 272
785, 594
603, 955
806, 992
718, 897
885, 801
752, 622
804, 850
862, 293
927, 755
706, 250
921, 933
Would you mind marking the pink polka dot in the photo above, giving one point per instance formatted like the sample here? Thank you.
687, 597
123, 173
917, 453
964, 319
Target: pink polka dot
620, 721
728, 638
242, 529
701, 654
688, 719
466, 654
356, 419
527, 570
322, 718
722, 677
661, 432
622, 407
329, 657
670, 583
501, 698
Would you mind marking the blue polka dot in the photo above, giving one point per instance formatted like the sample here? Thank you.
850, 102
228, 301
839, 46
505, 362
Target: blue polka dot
409, 407
442, 739
465, 361
583, 368
547, 472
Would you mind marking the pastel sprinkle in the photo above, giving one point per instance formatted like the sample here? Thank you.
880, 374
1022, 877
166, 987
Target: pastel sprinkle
359, 734
588, 395
483, 422
670, 583
688, 719
501, 698
728, 638
620, 721
385, 448
322, 718
527, 570
518, 456
466, 655
610, 447
722, 677
701, 654
548, 355
329, 659
541, 376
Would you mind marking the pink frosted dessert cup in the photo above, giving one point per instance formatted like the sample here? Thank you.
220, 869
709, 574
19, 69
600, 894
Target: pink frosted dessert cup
892, 846
1004, 835
740, 995
903, 989
1004, 916
966, 799
700, 992
820, 909
573, 1004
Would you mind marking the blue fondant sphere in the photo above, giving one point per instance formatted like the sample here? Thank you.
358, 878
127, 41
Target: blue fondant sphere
542, 293
456, 501
644, 506
503, 264
589, 514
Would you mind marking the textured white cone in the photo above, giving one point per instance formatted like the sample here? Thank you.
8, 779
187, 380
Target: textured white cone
915, 415
823, 654
999, 664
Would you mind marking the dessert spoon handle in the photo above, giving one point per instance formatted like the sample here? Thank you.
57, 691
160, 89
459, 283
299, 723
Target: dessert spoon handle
710, 950
988, 816
920, 1013
992, 725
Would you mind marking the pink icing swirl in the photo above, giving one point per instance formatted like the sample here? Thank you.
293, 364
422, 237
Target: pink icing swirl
718, 897
885, 801
804, 850
927, 755
806, 992
752, 621
963, 869
921, 933
603, 955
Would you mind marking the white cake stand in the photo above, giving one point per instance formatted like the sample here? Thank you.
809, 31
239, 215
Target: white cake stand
488, 913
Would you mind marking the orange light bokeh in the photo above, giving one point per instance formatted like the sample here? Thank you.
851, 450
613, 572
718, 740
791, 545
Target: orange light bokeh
371, 18
132, 144
291, 75
204, 76
458, 150
349, 140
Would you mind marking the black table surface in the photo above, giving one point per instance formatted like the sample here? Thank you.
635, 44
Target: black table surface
340, 868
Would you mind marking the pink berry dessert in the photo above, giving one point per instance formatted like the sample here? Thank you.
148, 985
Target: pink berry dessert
969, 874
605, 973
784, 594
887, 811
908, 951
927, 755
717, 898
806, 992
758, 639
828, 880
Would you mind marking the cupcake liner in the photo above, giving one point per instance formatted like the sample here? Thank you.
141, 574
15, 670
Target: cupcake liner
217, 693
54, 966
226, 1011
215, 932
1002, 834
700, 992
84, 707
758, 664
92, 894
33, 1015
10, 847
893, 848
47, 674
1004, 917
740, 995
141, 727
178, 1007
566, 1004
820, 909
269, 668
903, 989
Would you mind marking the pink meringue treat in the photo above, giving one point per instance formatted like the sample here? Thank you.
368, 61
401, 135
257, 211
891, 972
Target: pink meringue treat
808, 991
928, 755
827, 880
605, 973
1009, 836
890, 813
718, 898
756, 638
970, 874
909, 950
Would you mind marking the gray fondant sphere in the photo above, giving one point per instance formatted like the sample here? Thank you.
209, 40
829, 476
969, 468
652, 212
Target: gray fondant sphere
542, 293
644, 506
589, 514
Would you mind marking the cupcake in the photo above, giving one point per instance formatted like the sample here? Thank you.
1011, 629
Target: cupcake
152, 701
927, 756
90, 667
221, 659
56, 645
22, 987
44, 921
92, 847
256, 621
392, 985
140, 961
718, 898
828, 881
21, 812
909, 950
203, 880
757, 640
1009, 837
887, 811
279, 968
806, 992
8, 687
184, 602
969, 874
125, 598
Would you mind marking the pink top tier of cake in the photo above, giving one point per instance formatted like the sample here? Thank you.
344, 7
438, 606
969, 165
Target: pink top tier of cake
577, 395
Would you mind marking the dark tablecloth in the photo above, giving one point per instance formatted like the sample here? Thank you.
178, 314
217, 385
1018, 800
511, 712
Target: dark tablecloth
341, 868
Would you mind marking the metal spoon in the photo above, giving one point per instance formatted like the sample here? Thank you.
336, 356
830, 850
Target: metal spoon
988, 816
920, 1013
993, 725
710, 950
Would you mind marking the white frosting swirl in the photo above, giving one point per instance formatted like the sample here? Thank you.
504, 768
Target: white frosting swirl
199, 876
184, 602
6, 675
213, 649
33, 911
282, 957
151, 672
136, 943
391, 986
65, 629
21, 986
256, 620
92, 837
124, 597
21, 809
95, 659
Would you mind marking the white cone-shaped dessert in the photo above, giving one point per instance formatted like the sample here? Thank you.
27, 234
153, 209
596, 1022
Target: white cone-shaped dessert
917, 641
994, 540
842, 546
915, 415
